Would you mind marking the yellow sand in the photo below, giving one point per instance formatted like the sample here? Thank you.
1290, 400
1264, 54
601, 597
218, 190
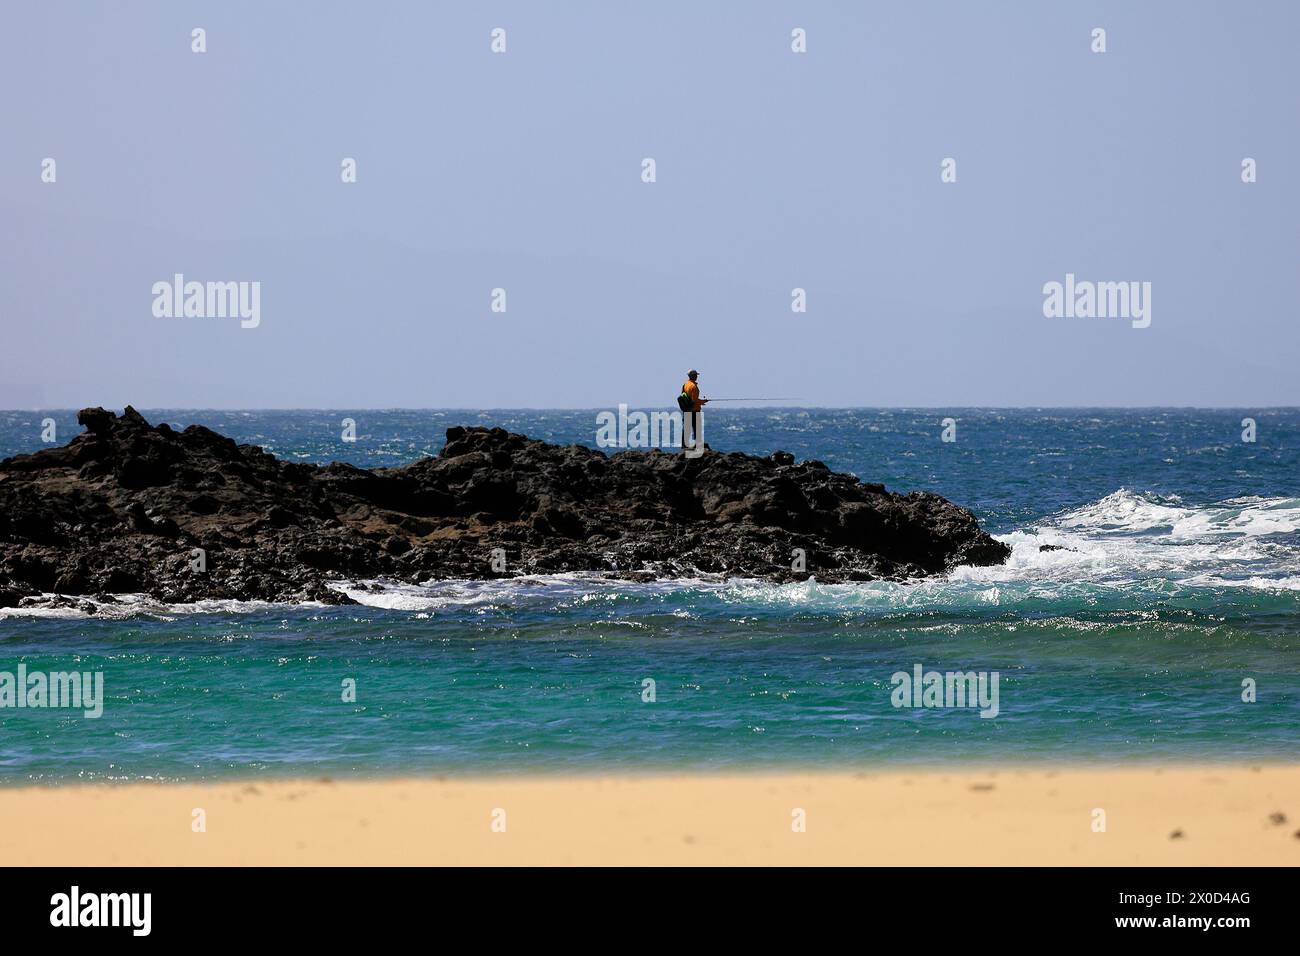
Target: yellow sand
911, 818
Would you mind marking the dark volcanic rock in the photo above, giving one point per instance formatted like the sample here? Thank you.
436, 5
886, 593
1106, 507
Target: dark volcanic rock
188, 515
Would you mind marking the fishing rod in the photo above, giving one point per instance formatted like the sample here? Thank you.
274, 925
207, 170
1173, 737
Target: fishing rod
753, 399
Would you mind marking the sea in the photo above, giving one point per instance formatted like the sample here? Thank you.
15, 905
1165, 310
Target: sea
1161, 626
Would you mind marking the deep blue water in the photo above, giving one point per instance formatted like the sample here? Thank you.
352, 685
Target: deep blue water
1178, 578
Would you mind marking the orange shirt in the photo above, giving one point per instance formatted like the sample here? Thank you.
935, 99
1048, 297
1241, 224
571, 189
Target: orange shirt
693, 393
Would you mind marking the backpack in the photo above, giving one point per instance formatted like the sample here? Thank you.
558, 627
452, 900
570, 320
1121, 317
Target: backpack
684, 402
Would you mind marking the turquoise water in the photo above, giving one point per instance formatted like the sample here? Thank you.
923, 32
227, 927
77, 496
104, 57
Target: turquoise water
1178, 577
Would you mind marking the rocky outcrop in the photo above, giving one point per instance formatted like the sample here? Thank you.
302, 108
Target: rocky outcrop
130, 507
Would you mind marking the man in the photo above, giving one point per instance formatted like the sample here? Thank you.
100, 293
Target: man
691, 403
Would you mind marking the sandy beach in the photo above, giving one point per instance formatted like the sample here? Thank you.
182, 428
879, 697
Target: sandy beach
1213, 815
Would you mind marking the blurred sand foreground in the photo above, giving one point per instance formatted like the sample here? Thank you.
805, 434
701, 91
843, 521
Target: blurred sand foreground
1211, 815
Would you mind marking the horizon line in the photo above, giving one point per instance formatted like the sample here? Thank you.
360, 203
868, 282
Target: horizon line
600, 408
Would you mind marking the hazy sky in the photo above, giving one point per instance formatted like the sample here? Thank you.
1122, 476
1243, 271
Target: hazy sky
523, 171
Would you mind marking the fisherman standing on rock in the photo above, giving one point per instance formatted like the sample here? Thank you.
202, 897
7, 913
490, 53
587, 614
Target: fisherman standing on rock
691, 404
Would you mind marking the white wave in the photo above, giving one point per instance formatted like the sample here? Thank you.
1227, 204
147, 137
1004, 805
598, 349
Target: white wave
1291, 583
1128, 536
124, 606
570, 588
1126, 512
1123, 511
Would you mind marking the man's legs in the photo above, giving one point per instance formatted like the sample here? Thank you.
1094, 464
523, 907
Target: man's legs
690, 429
